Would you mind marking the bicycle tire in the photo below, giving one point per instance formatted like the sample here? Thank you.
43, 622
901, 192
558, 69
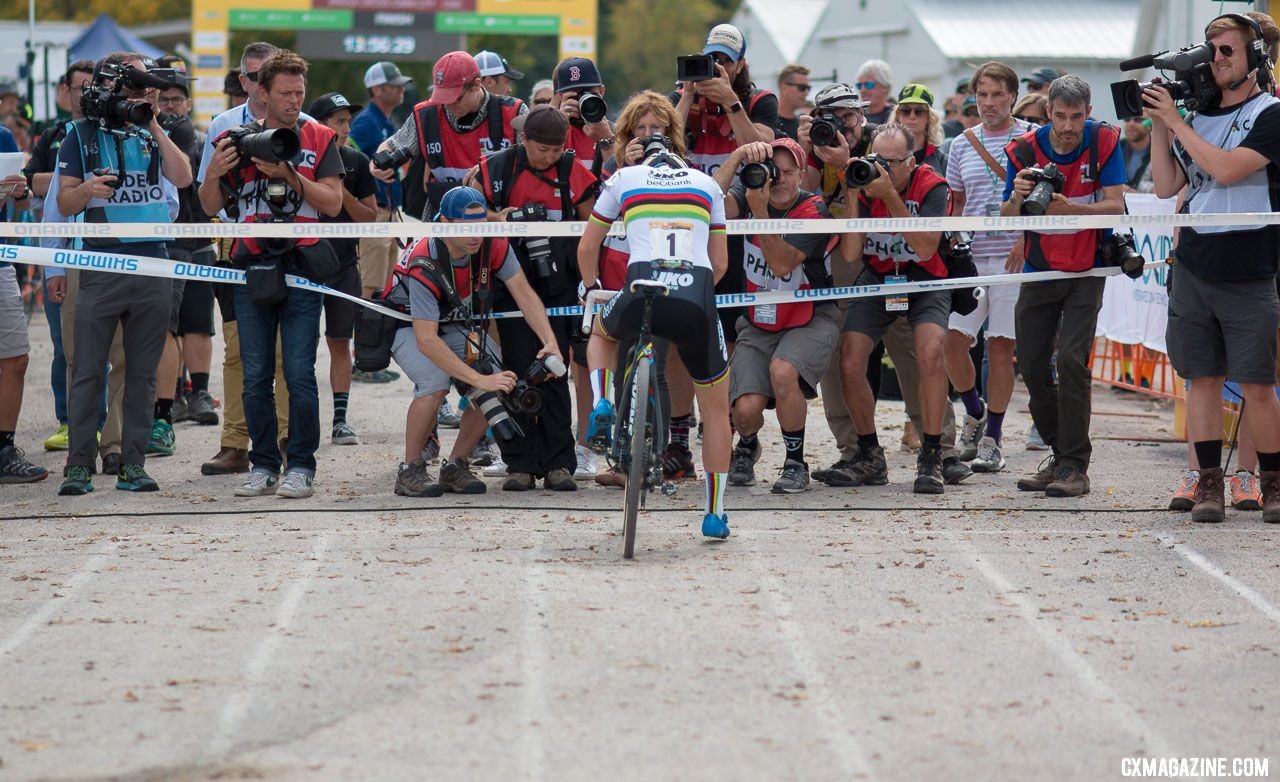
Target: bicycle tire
637, 470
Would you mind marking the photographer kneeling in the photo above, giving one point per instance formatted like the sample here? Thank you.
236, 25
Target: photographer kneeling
447, 286
537, 181
278, 170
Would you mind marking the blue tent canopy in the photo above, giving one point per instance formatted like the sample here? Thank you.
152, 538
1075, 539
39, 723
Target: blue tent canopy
104, 36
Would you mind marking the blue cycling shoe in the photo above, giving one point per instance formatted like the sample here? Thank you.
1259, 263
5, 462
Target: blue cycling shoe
715, 526
600, 426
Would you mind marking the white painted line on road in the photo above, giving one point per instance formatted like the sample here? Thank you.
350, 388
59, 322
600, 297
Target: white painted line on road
53, 605
1235, 585
1156, 745
238, 705
534, 662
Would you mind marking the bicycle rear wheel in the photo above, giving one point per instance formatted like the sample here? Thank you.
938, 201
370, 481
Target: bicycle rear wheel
638, 469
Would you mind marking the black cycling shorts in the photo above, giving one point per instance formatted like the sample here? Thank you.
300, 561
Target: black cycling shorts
340, 313
686, 316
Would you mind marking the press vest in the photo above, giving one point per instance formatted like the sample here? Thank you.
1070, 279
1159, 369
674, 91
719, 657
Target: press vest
450, 153
139, 197
812, 273
429, 261
889, 253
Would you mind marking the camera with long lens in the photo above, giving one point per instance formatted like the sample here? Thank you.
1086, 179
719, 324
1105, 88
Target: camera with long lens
864, 170
491, 404
273, 145
592, 107
527, 397
391, 158
539, 247
1048, 180
1192, 85
104, 101
754, 176
695, 67
1118, 250
825, 130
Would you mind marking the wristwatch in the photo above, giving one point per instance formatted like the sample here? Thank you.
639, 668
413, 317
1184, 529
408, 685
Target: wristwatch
736, 107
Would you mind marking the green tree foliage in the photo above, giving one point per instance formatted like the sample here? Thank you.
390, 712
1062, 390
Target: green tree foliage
642, 38
125, 12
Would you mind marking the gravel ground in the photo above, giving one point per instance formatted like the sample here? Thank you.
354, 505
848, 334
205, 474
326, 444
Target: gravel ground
839, 634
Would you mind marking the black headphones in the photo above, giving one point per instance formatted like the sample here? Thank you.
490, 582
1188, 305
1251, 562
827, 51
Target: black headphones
1256, 51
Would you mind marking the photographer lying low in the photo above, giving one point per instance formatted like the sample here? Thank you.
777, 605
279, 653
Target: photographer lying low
447, 286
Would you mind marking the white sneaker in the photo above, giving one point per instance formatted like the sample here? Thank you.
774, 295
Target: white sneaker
989, 458
259, 484
971, 435
1034, 441
296, 485
495, 470
587, 464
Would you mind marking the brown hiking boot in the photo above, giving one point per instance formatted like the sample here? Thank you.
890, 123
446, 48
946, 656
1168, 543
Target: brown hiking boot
227, 462
1069, 481
1271, 496
456, 476
613, 478
1210, 497
1041, 480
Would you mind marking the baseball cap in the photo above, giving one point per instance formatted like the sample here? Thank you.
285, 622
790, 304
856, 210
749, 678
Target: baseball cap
790, 145
457, 201
494, 64
726, 39
577, 73
9, 88
969, 100
1041, 76
915, 93
964, 84
330, 102
839, 96
451, 74
385, 73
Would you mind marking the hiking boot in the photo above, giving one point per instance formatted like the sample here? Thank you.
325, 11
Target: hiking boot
162, 441
794, 478
742, 466
971, 435
431, 451
715, 525
227, 462
600, 426
928, 472
456, 477
260, 483
1270, 481
1246, 494
200, 409
1210, 501
343, 434
1043, 477
822, 475
133, 478
78, 481
519, 481
59, 440
954, 471
560, 479
14, 467
867, 468
1184, 494
180, 411
677, 464
989, 458
484, 454
296, 485
380, 376
613, 478
413, 480
111, 464
1070, 481
447, 417
588, 466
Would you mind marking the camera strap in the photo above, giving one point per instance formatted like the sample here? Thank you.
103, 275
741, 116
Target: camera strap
978, 147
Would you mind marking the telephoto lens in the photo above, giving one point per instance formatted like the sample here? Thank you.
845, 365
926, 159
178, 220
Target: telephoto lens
755, 176
592, 107
391, 158
495, 412
275, 145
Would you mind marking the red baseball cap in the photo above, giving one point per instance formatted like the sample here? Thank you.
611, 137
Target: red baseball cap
450, 75
791, 146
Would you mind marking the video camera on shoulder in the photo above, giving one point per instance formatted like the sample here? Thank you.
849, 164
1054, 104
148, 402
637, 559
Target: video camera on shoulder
104, 101
1048, 180
695, 67
1192, 85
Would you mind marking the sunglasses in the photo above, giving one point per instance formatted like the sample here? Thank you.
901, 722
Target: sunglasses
912, 111
801, 87
541, 101
253, 77
1031, 118
970, 112
865, 85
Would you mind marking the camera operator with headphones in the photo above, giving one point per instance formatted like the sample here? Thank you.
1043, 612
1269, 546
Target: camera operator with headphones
118, 166
537, 181
301, 180
1223, 306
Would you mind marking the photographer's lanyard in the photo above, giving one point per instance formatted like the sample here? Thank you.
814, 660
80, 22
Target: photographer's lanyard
996, 185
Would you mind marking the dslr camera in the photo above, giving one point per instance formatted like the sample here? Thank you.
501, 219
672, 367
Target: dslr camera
695, 67
274, 145
1048, 180
527, 397
104, 101
491, 403
539, 247
864, 170
392, 158
1118, 250
755, 176
825, 130
1192, 85
591, 107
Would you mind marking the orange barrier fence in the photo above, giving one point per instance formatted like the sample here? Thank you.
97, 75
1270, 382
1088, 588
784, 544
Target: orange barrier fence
1135, 368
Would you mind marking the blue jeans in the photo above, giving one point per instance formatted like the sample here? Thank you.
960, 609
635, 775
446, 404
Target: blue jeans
58, 370
297, 321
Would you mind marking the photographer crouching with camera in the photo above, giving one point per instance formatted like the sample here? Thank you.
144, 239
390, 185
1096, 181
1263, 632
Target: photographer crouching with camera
117, 165
1223, 306
538, 181
447, 286
279, 169
1071, 166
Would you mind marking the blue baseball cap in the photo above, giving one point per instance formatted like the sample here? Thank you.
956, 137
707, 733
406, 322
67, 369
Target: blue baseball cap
457, 201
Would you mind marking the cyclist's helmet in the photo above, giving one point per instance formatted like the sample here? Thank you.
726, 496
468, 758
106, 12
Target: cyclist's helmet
839, 96
658, 154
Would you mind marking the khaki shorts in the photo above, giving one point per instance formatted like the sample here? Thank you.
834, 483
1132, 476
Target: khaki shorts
808, 348
378, 255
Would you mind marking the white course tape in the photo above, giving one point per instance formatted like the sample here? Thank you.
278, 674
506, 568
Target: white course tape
573, 229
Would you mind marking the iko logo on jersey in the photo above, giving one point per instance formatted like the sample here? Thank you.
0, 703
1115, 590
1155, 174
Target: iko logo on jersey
674, 280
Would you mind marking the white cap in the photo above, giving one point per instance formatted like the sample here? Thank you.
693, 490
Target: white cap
494, 64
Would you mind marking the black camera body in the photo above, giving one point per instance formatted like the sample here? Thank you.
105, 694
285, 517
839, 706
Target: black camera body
527, 398
1118, 250
105, 103
1192, 86
592, 107
825, 130
864, 170
491, 403
755, 176
391, 158
655, 143
695, 67
539, 247
1048, 180
273, 145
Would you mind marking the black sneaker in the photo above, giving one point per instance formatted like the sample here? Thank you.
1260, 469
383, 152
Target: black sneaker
867, 468
78, 481
456, 476
742, 466
954, 471
133, 478
111, 464
677, 464
928, 472
14, 467
794, 478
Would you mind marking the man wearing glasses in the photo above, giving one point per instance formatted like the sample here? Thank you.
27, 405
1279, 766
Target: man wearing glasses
793, 98
875, 79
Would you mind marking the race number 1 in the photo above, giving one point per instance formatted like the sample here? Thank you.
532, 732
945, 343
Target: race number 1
671, 241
